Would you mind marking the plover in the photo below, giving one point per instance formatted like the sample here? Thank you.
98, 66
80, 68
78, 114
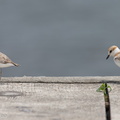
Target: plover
114, 51
5, 61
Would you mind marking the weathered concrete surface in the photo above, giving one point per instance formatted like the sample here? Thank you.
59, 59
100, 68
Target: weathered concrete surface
95, 79
56, 98
115, 101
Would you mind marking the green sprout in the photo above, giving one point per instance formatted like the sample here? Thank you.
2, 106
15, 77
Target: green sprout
103, 87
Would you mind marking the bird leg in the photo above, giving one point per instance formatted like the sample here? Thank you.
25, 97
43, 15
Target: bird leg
0, 73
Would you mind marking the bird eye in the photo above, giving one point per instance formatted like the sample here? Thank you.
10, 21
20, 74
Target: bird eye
110, 51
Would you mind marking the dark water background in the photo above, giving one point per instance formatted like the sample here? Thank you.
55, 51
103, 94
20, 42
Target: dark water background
59, 37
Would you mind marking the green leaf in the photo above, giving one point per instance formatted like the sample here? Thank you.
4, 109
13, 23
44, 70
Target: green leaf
109, 88
102, 88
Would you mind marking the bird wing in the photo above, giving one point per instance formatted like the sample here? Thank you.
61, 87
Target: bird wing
117, 57
4, 59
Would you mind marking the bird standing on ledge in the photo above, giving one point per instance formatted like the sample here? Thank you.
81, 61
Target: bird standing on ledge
5, 61
114, 51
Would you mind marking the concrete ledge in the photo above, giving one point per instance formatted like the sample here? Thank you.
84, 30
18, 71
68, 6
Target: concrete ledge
57, 98
90, 79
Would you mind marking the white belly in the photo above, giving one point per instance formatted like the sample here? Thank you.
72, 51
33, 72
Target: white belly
6, 65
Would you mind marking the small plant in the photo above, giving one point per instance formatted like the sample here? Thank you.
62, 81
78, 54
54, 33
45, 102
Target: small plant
103, 87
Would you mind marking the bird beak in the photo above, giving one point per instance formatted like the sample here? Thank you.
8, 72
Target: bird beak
107, 57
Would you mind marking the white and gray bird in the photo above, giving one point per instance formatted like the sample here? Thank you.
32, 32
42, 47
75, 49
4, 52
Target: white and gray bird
114, 51
5, 61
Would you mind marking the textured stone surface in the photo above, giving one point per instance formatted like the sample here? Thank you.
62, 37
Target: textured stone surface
56, 98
